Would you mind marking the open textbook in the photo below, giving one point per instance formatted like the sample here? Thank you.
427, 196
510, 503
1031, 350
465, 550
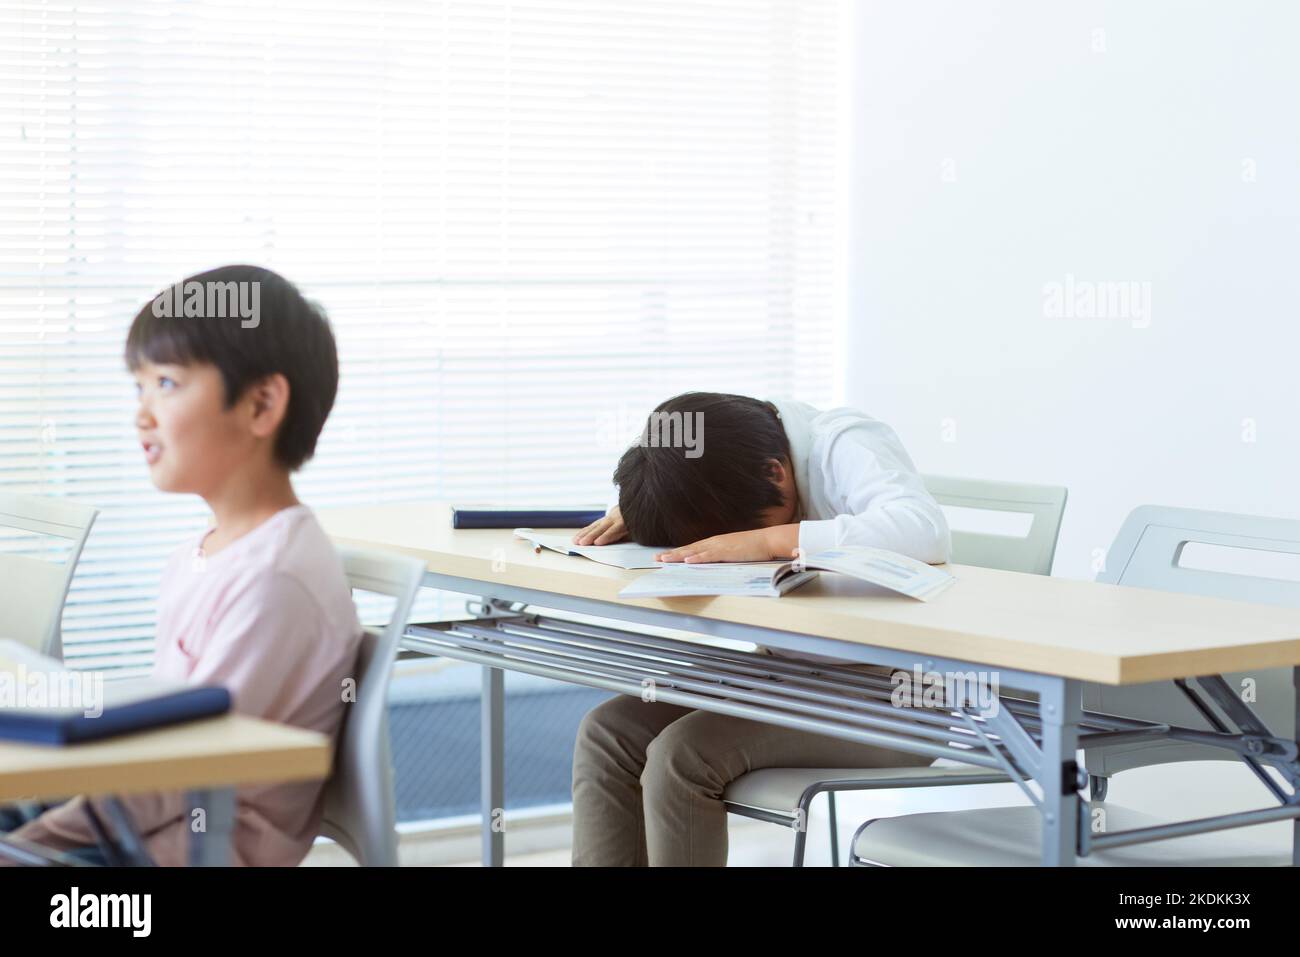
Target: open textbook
620, 554
773, 579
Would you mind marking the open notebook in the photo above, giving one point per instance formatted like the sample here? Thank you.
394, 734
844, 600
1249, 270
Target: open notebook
43, 702
620, 554
772, 579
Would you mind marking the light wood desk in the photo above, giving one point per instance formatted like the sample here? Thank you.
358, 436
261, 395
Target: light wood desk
1038, 634
206, 758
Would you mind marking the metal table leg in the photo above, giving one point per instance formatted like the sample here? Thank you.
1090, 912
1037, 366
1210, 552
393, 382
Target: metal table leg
492, 766
1059, 705
210, 846
128, 838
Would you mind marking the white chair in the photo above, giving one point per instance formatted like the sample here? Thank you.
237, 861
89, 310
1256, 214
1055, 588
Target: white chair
360, 811
784, 795
33, 590
1009, 837
1147, 553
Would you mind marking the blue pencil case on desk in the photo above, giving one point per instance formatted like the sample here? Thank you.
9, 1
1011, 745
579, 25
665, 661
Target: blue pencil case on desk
127, 708
486, 516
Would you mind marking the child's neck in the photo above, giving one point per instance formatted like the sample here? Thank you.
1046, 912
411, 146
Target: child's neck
240, 506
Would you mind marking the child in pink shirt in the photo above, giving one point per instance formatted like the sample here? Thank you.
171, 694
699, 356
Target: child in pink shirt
229, 407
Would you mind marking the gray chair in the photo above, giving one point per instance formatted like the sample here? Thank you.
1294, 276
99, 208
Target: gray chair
1147, 553
34, 590
784, 795
360, 811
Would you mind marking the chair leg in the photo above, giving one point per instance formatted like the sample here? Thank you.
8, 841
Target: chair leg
800, 843
801, 815
835, 829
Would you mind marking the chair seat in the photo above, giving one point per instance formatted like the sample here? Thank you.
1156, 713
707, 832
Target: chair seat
779, 789
1012, 837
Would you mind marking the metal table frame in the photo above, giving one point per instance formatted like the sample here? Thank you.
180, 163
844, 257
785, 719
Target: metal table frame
1031, 741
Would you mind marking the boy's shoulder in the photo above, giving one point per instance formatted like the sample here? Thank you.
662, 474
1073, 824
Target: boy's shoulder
822, 425
299, 547
294, 546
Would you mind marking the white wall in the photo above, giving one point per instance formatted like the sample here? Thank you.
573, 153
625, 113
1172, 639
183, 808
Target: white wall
995, 151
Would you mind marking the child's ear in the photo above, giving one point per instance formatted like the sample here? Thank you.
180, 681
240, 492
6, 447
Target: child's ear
270, 403
776, 470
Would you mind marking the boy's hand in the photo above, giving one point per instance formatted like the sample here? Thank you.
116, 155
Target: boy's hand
603, 531
756, 545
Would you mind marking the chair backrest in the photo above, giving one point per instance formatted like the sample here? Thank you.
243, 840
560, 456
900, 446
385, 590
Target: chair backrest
359, 801
1031, 552
33, 590
1151, 551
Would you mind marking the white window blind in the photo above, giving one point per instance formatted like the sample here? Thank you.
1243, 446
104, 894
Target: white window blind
527, 221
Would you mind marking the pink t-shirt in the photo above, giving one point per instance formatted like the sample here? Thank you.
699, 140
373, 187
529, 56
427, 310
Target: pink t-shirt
271, 618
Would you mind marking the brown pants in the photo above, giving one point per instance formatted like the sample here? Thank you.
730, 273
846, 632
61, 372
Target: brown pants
648, 778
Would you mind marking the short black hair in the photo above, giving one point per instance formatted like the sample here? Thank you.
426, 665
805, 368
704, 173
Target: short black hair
671, 499
289, 335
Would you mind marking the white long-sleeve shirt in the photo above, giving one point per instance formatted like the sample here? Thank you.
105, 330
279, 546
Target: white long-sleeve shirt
858, 486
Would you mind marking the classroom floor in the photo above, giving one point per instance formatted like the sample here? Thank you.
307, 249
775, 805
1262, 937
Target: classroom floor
542, 840
753, 844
